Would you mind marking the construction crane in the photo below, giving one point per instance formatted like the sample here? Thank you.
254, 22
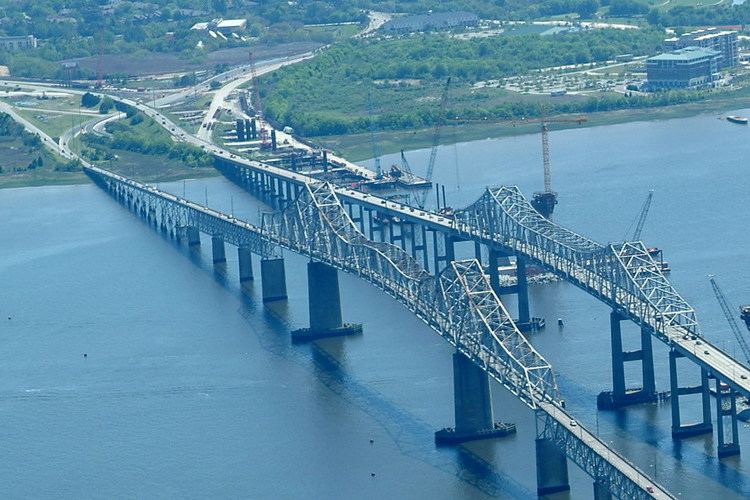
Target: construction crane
422, 197
258, 104
725, 307
373, 139
405, 167
544, 202
636, 235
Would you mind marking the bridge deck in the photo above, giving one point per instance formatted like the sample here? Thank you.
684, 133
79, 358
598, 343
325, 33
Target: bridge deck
719, 363
572, 427
639, 486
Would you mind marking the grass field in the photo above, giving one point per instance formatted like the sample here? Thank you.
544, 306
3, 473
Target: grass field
15, 161
52, 123
151, 168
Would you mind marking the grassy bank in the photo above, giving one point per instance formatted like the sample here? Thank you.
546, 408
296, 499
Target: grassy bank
357, 147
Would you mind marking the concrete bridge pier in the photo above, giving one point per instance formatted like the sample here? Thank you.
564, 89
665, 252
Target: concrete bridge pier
551, 468
245, 258
218, 250
726, 406
680, 430
325, 306
601, 490
620, 396
273, 279
447, 243
193, 236
523, 291
473, 406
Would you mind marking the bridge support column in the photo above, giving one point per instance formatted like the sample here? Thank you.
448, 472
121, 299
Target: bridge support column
726, 406
524, 322
273, 279
245, 258
473, 406
551, 468
620, 396
523, 290
601, 491
325, 306
678, 429
493, 258
193, 236
647, 364
217, 247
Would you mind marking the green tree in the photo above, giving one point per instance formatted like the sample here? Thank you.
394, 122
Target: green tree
89, 100
106, 105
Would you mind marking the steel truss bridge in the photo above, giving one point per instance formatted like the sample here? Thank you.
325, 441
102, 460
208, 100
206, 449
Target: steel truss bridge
623, 275
459, 303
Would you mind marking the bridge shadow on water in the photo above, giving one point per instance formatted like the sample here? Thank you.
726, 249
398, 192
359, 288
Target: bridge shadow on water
323, 359
415, 437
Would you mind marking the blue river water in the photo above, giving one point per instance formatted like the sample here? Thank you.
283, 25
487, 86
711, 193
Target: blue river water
190, 388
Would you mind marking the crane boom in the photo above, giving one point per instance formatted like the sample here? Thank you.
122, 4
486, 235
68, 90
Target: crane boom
642, 216
544, 201
725, 307
545, 158
257, 102
405, 167
435, 141
373, 139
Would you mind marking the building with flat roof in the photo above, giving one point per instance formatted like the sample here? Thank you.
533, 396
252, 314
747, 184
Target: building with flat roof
687, 68
229, 25
725, 41
13, 43
424, 22
221, 25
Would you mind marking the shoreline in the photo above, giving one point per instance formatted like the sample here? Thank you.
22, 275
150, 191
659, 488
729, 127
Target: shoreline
358, 147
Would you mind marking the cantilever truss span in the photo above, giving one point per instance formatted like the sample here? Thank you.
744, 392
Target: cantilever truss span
459, 304
623, 275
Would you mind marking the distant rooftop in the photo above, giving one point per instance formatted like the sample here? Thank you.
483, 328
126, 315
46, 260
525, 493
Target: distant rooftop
232, 23
434, 20
686, 54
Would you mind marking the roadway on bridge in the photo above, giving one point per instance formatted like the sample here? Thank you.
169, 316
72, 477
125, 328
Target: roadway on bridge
562, 418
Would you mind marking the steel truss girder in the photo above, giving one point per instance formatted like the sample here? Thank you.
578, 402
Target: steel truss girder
459, 304
623, 275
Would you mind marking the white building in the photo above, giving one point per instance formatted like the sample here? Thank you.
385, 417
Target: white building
12, 43
229, 25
